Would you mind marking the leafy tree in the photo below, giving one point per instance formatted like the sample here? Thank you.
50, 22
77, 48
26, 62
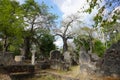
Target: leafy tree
102, 4
37, 17
107, 17
20, 23
46, 44
99, 47
86, 39
81, 41
89, 32
11, 22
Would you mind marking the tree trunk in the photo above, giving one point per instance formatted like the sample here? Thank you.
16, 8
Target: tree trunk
5, 47
90, 47
65, 46
91, 44
27, 47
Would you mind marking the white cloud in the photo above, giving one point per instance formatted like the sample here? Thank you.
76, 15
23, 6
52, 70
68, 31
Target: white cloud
69, 7
59, 42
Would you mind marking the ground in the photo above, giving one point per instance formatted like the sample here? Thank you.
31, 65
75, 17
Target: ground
73, 74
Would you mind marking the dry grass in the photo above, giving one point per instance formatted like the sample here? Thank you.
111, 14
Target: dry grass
73, 73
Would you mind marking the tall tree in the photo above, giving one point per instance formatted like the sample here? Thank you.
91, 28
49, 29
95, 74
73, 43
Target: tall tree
85, 38
11, 22
107, 16
44, 42
37, 17
65, 32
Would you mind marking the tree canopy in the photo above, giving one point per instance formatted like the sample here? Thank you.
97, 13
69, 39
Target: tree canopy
21, 24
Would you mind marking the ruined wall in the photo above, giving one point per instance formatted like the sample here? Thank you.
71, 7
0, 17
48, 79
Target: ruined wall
110, 64
6, 58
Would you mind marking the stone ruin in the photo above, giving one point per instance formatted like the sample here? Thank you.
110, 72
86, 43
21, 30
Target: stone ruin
67, 60
60, 61
55, 55
55, 59
6, 58
87, 62
110, 63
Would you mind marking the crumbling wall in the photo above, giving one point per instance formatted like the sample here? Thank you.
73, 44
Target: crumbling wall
6, 58
110, 64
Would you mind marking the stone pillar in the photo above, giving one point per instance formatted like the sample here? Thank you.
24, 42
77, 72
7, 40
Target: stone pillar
33, 57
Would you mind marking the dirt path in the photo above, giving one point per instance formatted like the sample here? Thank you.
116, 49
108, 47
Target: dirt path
59, 76
62, 75
73, 74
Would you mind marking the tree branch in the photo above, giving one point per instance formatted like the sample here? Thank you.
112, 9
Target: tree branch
67, 27
59, 35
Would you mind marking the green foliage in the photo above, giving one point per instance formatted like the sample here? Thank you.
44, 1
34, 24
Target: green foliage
38, 18
1, 47
46, 44
11, 21
15, 45
82, 40
85, 38
104, 11
92, 4
14, 49
107, 17
10, 18
33, 11
99, 48
21, 22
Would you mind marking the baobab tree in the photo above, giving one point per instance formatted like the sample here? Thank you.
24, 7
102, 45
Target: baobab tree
65, 31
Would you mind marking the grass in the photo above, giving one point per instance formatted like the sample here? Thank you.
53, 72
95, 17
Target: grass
48, 77
74, 73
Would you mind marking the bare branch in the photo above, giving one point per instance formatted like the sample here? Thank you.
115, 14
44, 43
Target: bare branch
67, 27
59, 35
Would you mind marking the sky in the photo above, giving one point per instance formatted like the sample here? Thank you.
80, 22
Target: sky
54, 8
64, 8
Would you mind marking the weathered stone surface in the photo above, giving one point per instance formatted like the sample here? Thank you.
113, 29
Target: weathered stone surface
6, 59
67, 57
87, 62
84, 57
55, 54
56, 59
67, 60
110, 63
94, 57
